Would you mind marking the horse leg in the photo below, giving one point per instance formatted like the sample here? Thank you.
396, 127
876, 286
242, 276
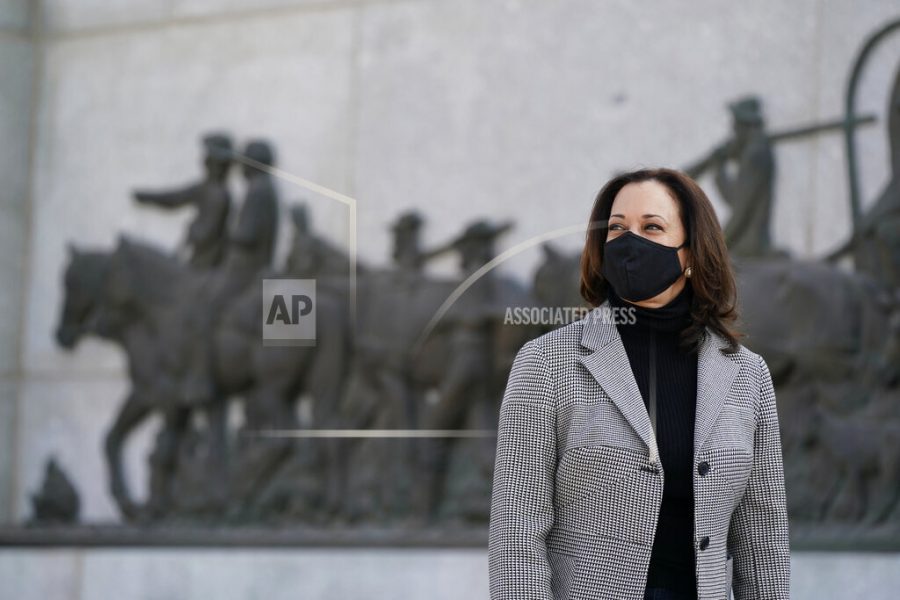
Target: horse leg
434, 455
217, 423
326, 384
260, 461
395, 456
164, 459
133, 413
358, 464
883, 490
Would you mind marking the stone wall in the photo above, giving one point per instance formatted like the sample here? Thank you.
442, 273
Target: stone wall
17, 68
518, 109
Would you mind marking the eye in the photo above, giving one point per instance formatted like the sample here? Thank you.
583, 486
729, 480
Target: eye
658, 228
615, 227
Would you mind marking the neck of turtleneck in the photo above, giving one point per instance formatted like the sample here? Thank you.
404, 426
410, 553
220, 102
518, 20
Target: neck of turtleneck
671, 317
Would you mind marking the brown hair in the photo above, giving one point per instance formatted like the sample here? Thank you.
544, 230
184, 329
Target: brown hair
712, 279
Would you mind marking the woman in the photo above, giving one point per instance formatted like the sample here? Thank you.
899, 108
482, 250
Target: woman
638, 451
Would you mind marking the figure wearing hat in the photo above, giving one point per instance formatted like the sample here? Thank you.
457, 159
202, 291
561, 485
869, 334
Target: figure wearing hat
407, 253
254, 235
749, 189
475, 245
206, 236
311, 255
463, 392
249, 253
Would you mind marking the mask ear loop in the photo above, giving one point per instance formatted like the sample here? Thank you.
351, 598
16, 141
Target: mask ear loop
687, 269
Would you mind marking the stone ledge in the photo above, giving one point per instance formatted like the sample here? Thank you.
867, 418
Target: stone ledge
803, 538
112, 535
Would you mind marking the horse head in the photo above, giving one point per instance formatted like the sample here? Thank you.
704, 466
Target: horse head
107, 291
84, 282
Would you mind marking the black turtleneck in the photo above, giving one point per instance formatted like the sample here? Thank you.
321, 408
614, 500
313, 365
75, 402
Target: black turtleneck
672, 563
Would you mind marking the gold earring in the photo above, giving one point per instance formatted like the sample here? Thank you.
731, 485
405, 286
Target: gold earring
687, 272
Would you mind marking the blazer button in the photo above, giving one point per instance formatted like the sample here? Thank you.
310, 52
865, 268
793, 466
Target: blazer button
703, 468
704, 542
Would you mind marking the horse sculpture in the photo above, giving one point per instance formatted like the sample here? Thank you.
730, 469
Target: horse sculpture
141, 299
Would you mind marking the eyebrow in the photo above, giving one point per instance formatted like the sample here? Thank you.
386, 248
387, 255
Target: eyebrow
647, 216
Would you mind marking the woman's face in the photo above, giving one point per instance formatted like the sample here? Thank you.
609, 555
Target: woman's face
648, 209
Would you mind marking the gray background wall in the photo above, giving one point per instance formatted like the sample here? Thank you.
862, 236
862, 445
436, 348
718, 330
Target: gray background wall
17, 65
516, 109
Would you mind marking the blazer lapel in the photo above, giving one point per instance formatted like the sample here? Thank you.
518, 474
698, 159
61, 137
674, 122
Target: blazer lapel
715, 377
608, 364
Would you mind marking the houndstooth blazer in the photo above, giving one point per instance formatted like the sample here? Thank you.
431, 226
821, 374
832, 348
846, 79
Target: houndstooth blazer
578, 482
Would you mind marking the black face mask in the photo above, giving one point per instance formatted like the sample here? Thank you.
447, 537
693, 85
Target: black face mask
638, 268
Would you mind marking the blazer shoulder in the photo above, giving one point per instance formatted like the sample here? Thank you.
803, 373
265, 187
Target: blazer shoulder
747, 358
761, 378
754, 360
745, 354
560, 341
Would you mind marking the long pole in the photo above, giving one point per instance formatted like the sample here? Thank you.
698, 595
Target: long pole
849, 121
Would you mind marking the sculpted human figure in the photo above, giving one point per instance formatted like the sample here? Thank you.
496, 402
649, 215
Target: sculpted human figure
250, 248
206, 236
252, 243
469, 362
749, 189
311, 255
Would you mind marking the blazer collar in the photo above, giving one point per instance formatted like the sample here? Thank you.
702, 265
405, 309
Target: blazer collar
608, 364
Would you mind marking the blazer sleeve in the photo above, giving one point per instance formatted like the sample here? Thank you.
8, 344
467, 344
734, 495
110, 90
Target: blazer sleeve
758, 536
522, 509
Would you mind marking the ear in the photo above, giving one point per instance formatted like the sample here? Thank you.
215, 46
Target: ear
688, 261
